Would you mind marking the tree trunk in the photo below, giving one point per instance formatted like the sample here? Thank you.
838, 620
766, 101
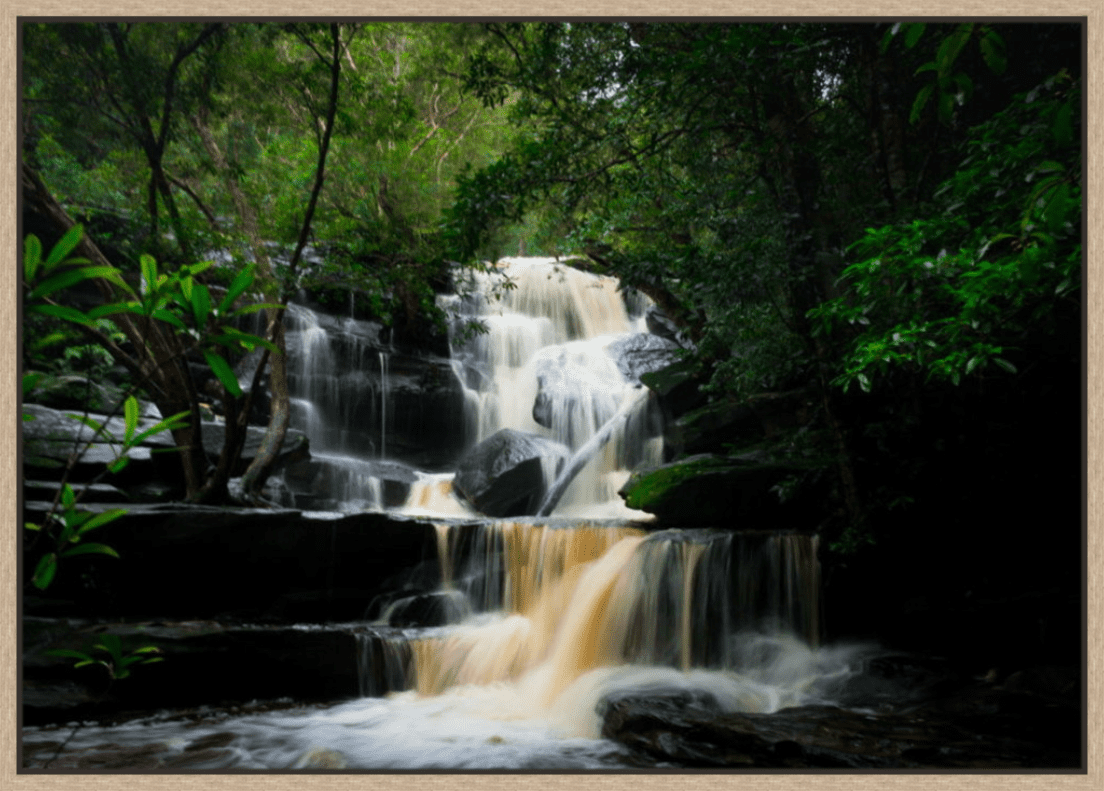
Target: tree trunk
257, 475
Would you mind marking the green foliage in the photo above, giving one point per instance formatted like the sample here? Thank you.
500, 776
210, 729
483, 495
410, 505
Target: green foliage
176, 299
112, 655
953, 294
950, 87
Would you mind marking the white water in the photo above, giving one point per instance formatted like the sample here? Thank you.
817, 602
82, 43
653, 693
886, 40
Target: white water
560, 616
547, 321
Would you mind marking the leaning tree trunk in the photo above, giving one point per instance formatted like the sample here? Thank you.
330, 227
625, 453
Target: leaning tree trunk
256, 475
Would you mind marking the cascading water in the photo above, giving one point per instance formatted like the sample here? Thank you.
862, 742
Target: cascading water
543, 617
544, 365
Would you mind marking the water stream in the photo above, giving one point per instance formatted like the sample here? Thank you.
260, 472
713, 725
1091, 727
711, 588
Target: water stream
546, 617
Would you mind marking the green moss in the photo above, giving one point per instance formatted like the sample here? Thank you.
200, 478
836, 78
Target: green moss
646, 489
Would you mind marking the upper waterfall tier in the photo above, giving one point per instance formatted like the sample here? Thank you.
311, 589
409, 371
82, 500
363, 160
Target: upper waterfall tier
544, 360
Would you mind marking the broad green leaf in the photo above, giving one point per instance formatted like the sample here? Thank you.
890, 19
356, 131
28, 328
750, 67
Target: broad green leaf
32, 257
913, 33
951, 47
161, 314
201, 305
101, 519
922, 97
74, 519
149, 274
63, 312
186, 286
1003, 363
232, 335
67, 496
887, 38
130, 416
241, 282
993, 51
171, 423
118, 465
65, 246
115, 307
90, 549
68, 653
71, 277
32, 526
221, 369
45, 571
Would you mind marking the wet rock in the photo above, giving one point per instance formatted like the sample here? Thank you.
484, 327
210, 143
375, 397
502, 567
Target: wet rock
678, 387
331, 482
437, 608
977, 728
642, 353
504, 474
205, 663
85, 492
295, 446
661, 325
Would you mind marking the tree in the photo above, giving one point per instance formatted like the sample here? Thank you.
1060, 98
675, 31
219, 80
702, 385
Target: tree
137, 80
727, 170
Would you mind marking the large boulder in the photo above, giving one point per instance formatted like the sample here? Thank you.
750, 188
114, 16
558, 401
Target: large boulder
642, 353
504, 475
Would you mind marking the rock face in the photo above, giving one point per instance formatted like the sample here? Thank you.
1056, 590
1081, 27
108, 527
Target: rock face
181, 561
204, 662
968, 725
335, 483
708, 490
51, 436
643, 353
504, 474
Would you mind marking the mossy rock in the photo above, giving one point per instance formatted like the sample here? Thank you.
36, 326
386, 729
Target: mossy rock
718, 491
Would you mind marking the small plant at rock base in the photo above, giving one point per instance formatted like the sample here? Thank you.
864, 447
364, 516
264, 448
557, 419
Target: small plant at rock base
109, 653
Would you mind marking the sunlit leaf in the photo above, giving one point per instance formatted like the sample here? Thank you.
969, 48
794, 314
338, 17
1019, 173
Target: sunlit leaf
64, 246
102, 519
90, 549
221, 369
45, 571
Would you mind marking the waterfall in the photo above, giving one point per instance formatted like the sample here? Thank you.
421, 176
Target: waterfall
544, 365
537, 619
566, 601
